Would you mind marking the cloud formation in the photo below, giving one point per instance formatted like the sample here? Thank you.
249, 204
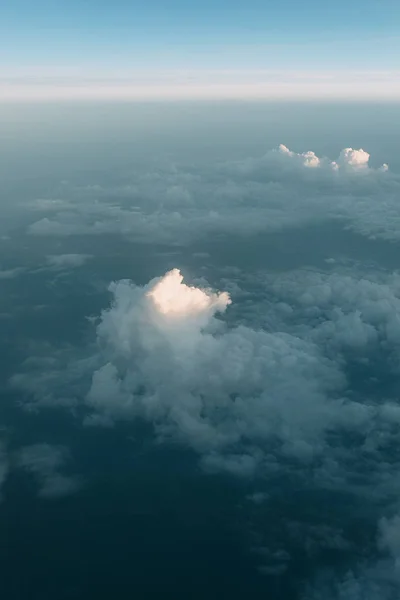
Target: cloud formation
230, 393
280, 190
299, 386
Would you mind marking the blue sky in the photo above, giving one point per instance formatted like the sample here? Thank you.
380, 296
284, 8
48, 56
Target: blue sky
97, 38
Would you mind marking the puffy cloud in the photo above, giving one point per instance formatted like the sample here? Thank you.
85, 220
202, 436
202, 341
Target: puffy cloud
342, 309
353, 158
276, 376
350, 161
237, 393
306, 159
230, 393
348, 158
174, 299
45, 461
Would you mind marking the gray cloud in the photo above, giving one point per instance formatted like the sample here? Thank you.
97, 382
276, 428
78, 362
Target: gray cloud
279, 190
45, 462
67, 261
11, 273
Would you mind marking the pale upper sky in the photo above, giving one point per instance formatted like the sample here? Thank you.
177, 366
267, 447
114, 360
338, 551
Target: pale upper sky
174, 48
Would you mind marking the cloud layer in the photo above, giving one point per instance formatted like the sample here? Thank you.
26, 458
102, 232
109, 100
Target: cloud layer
295, 388
280, 190
285, 378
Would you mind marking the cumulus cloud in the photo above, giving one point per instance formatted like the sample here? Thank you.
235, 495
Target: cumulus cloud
348, 158
276, 382
174, 299
349, 164
230, 393
45, 462
243, 397
341, 309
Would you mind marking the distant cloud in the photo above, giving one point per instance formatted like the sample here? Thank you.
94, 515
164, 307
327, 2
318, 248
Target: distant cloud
281, 189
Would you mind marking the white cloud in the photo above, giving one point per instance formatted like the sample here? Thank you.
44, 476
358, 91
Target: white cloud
45, 462
307, 159
174, 299
226, 392
353, 158
349, 161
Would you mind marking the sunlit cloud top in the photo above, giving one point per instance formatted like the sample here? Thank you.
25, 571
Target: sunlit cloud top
173, 298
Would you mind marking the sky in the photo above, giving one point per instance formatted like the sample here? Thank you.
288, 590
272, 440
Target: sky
212, 49
200, 300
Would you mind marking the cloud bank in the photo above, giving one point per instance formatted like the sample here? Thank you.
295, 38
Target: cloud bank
280, 190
